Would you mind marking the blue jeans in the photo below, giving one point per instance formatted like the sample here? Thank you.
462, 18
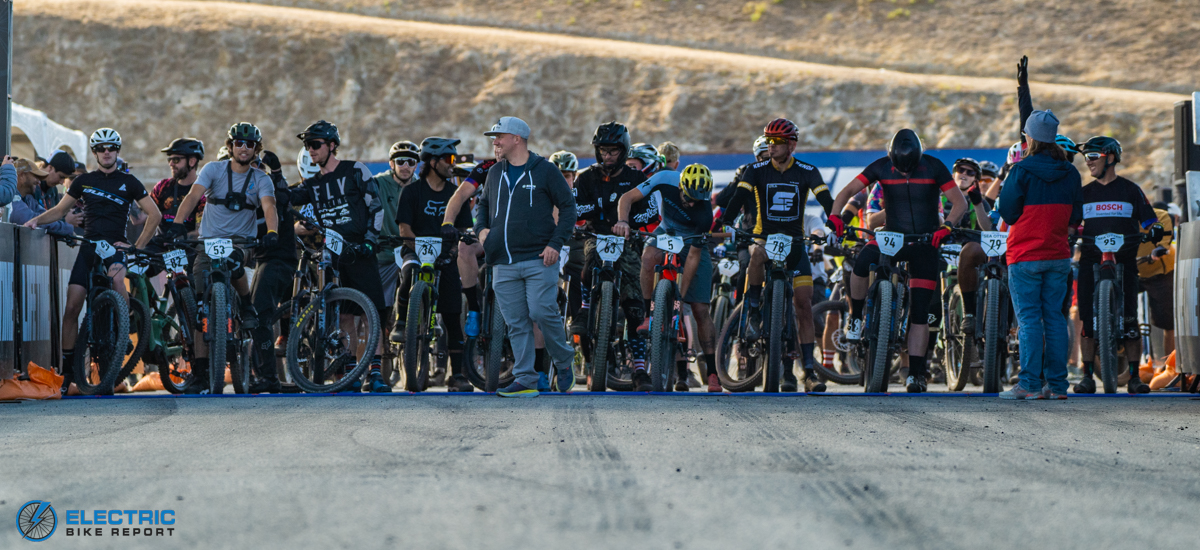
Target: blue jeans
1038, 290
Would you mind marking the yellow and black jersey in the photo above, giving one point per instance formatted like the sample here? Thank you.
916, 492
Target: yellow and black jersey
778, 196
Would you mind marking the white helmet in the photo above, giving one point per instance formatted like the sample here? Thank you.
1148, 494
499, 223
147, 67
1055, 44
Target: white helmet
306, 166
105, 136
760, 146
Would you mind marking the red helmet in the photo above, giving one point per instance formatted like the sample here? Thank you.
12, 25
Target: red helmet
782, 127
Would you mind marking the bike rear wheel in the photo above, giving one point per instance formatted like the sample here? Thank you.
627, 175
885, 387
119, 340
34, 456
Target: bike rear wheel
955, 366
775, 366
176, 373
880, 347
318, 353
139, 323
601, 355
737, 369
416, 344
820, 311
662, 336
104, 350
1106, 333
995, 339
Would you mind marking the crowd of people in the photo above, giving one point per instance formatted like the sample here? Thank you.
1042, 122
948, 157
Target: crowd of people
525, 208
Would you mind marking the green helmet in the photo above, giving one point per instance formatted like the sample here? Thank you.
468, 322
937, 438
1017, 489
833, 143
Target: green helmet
565, 161
246, 131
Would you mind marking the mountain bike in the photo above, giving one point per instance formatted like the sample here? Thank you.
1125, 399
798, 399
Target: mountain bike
229, 342
743, 362
724, 293
1108, 301
104, 331
320, 354
167, 342
669, 334
489, 355
606, 327
425, 335
850, 372
994, 304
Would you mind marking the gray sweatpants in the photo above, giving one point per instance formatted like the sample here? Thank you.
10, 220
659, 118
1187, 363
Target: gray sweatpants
527, 292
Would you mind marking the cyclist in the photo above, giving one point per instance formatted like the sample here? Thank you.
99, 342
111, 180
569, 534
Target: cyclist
778, 189
687, 211
1156, 262
599, 189
402, 163
420, 214
723, 199
644, 158
911, 182
966, 174
275, 266
468, 254
183, 157
347, 201
239, 190
1111, 204
109, 194
670, 155
568, 164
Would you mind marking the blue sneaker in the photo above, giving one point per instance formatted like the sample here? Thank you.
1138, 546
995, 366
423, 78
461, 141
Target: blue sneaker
564, 379
472, 324
517, 390
543, 382
377, 383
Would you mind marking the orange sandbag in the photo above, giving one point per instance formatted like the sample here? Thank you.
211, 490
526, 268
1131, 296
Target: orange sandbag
150, 382
1162, 379
1146, 370
42, 384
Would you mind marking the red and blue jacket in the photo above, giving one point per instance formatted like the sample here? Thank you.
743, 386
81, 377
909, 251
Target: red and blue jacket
1041, 199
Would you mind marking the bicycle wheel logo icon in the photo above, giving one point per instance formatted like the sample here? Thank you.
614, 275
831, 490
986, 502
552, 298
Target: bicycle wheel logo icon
36, 520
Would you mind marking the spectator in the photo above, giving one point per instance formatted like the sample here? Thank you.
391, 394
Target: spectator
8, 182
1041, 199
29, 177
518, 202
670, 155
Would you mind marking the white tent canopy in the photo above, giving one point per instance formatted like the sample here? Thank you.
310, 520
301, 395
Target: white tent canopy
32, 128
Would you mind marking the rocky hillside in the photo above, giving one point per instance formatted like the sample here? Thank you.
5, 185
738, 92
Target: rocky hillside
159, 69
1136, 44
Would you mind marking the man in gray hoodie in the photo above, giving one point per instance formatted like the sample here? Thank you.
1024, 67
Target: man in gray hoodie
522, 240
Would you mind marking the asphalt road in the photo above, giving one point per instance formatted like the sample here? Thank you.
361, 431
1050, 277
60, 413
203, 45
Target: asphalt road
699, 471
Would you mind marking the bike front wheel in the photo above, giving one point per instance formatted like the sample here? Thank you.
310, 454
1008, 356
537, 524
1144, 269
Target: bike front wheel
879, 348
1106, 333
995, 338
319, 353
775, 366
98, 362
601, 355
662, 336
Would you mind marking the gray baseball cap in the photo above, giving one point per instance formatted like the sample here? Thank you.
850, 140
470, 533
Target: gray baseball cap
1042, 126
509, 125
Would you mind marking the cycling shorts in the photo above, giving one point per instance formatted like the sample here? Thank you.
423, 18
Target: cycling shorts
86, 260
1087, 291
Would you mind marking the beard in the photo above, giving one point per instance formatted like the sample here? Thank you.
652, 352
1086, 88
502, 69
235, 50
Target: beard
180, 173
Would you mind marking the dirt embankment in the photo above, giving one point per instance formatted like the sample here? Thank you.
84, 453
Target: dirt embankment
156, 70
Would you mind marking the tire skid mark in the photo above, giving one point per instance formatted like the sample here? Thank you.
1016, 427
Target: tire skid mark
607, 481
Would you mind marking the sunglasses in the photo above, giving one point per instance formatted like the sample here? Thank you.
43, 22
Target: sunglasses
777, 140
449, 158
245, 143
966, 172
106, 148
314, 144
176, 160
1093, 156
405, 161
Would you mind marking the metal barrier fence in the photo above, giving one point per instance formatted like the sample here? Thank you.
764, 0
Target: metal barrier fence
33, 291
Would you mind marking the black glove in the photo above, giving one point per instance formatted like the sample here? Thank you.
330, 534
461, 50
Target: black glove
1156, 233
271, 239
974, 195
174, 231
270, 160
1023, 72
365, 250
449, 236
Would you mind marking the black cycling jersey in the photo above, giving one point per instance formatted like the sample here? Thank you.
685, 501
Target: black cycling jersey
106, 199
778, 197
422, 209
596, 197
911, 200
286, 249
725, 198
346, 201
1119, 207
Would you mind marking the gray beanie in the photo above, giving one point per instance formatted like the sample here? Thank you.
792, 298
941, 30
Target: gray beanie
1042, 126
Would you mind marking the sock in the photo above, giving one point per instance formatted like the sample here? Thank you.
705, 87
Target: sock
68, 367
806, 355
1089, 367
539, 360
456, 364
376, 365
710, 364
827, 360
681, 370
583, 296
969, 302
472, 294
856, 308
916, 366
754, 295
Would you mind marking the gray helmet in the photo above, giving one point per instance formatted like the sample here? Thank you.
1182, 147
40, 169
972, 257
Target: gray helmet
404, 149
565, 161
434, 147
648, 154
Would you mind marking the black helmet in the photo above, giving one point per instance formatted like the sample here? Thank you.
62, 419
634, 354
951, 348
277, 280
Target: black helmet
321, 130
246, 131
1103, 144
969, 163
612, 133
905, 151
188, 147
434, 147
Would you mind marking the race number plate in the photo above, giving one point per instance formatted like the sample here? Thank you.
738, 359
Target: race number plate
307, 212
609, 247
670, 243
398, 254
778, 247
428, 249
137, 269
218, 248
104, 250
950, 253
176, 260
994, 243
563, 255
1110, 242
889, 242
727, 267
334, 241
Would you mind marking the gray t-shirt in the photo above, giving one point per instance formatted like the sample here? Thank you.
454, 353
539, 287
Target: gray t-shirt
221, 222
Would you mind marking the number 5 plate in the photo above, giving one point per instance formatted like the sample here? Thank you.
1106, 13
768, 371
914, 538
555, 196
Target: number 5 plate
889, 242
218, 248
670, 243
994, 243
176, 261
609, 247
778, 247
1110, 242
428, 249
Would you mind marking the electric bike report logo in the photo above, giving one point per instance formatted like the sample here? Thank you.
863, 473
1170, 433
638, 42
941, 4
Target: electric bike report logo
36, 520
